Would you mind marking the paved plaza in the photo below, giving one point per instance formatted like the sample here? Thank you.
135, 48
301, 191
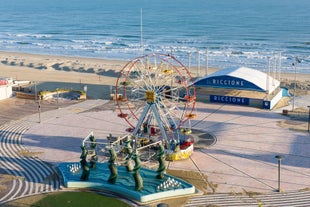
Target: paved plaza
241, 159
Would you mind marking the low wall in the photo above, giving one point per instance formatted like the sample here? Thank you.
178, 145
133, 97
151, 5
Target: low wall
25, 95
276, 99
5, 91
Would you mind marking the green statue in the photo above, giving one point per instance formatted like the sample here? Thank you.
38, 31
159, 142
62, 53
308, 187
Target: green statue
84, 153
93, 143
94, 157
84, 165
85, 169
136, 175
93, 160
112, 167
161, 160
129, 152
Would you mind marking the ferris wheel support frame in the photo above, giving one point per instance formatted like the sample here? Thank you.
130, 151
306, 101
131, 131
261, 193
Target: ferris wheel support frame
148, 107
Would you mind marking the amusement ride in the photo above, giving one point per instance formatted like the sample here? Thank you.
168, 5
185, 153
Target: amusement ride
155, 95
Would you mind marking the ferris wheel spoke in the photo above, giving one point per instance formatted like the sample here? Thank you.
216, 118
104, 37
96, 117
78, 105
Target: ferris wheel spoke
173, 110
170, 120
167, 80
139, 83
143, 82
162, 76
138, 92
167, 122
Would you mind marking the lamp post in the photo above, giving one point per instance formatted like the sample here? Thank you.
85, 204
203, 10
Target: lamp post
189, 61
279, 157
198, 68
35, 91
294, 64
39, 109
57, 90
268, 75
207, 62
309, 120
293, 106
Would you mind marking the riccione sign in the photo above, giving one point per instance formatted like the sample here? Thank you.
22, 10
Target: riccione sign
228, 82
230, 100
231, 82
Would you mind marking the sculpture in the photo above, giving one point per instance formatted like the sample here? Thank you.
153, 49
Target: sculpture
84, 153
161, 160
94, 157
129, 152
84, 165
93, 143
112, 166
93, 160
136, 175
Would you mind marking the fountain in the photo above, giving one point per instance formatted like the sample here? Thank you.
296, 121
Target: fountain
153, 188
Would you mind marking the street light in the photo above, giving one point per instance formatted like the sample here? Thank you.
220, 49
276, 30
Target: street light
309, 120
294, 64
39, 109
57, 90
207, 62
279, 157
198, 68
189, 61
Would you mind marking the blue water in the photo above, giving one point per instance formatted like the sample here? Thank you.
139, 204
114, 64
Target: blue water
235, 32
99, 176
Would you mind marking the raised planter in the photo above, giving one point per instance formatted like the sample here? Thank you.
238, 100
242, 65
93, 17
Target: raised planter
285, 112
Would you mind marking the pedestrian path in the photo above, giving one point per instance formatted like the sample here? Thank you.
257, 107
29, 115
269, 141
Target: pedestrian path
60, 112
33, 176
285, 199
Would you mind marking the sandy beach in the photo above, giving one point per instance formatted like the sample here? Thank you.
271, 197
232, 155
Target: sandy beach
13, 64
100, 75
51, 72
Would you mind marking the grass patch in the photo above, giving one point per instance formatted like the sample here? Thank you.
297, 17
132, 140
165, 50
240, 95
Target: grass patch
27, 153
8, 178
200, 181
67, 199
251, 194
304, 190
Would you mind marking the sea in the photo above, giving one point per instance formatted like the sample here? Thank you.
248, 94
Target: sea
260, 34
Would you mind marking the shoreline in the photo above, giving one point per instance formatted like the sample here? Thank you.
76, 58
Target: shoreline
45, 61
75, 72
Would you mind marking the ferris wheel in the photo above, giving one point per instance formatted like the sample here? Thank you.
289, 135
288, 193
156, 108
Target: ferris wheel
155, 95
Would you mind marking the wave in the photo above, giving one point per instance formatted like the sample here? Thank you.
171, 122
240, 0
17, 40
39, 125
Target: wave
23, 43
300, 47
220, 53
26, 35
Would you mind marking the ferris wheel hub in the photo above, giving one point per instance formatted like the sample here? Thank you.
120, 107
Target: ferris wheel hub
150, 96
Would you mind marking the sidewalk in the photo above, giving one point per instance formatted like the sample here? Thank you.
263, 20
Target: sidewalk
243, 158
